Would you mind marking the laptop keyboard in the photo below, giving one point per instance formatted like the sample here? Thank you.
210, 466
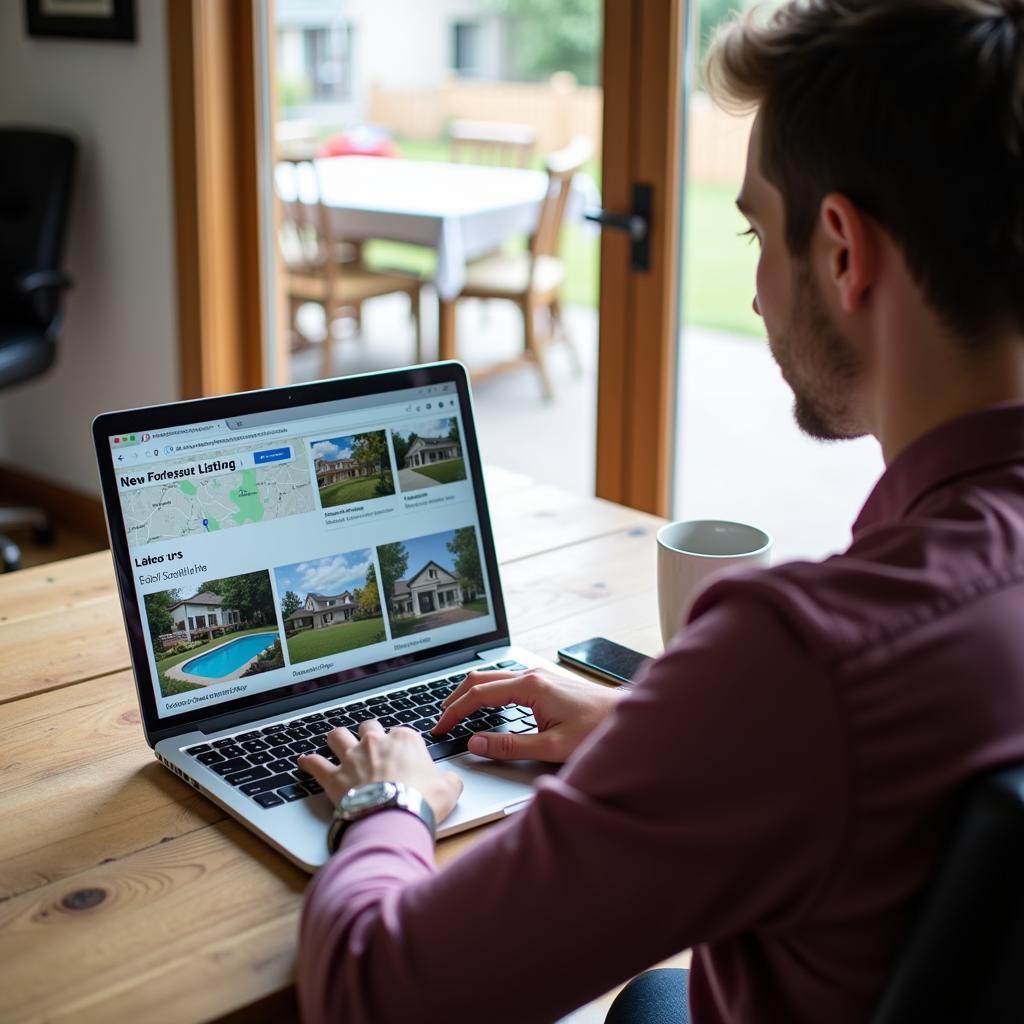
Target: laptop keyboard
261, 763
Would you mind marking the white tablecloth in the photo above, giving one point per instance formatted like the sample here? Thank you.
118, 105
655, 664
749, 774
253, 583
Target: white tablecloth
461, 210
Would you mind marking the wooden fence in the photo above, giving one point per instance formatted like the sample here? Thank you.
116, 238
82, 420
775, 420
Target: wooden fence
558, 110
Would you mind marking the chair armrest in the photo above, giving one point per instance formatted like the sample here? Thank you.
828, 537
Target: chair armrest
33, 280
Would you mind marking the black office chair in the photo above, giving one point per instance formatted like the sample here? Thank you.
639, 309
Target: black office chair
36, 169
963, 962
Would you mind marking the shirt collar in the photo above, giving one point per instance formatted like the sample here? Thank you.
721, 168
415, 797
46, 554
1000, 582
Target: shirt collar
959, 448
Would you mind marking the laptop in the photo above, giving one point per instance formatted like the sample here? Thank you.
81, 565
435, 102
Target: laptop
301, 558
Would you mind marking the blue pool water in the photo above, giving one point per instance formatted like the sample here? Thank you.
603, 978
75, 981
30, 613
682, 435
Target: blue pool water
230, 657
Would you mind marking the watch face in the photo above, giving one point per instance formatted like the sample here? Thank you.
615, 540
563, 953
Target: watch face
373, 794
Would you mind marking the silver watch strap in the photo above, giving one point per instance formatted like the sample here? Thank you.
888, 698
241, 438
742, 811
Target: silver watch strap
405, 798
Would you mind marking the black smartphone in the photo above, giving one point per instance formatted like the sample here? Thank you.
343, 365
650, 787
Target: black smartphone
605, 659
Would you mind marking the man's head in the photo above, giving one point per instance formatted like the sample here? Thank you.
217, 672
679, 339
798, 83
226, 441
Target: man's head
904, 117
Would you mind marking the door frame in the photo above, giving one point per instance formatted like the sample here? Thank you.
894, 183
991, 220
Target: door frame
215, 132
224, 296
643, 136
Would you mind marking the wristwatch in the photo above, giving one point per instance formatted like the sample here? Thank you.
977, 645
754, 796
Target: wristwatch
362, 801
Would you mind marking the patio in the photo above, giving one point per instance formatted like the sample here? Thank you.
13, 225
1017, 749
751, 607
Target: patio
742, 456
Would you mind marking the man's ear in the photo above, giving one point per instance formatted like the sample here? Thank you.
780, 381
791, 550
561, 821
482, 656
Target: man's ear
849, 250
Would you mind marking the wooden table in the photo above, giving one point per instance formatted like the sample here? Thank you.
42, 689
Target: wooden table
126, 896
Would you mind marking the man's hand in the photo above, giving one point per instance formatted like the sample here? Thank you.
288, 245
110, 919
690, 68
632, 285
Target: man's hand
567, 710
379, 756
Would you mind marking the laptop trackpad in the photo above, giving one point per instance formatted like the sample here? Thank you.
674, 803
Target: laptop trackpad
490, 788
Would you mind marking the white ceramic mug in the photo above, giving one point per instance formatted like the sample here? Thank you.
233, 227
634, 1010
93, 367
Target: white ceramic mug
691, 552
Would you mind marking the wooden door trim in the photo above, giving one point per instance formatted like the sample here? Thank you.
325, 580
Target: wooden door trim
639, 310
216, 197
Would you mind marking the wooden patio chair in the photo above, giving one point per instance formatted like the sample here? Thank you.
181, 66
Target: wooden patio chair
533, 279
319, 267
486, 142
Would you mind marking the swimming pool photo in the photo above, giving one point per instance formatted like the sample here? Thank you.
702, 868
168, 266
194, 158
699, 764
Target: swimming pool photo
227, 659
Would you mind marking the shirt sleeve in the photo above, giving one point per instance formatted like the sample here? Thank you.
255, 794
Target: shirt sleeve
712, 800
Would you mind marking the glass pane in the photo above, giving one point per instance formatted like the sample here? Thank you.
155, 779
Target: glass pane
739, 453
417, 133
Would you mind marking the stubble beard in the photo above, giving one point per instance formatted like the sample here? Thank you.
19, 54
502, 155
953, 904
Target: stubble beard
818, 364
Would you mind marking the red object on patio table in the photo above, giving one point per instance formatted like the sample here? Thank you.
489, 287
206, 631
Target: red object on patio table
363, 140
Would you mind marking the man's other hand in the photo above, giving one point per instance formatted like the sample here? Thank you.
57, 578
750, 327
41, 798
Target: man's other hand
567, 710
378, 756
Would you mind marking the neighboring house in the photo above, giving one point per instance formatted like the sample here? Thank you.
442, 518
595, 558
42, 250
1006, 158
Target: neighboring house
432, 589
320, 610
329, 52
332, 471
425, 450
202, 613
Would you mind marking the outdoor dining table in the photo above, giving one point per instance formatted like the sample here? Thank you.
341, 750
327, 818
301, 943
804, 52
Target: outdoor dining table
127, 896
461, 211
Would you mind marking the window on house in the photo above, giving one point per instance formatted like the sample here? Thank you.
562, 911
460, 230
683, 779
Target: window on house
328, 60
466, 48
213, 620
432, 574
191, 623
200, 622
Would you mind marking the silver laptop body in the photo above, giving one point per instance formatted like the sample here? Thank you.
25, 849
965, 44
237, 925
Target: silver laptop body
297, 558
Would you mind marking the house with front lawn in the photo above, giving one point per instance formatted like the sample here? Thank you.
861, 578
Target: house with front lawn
333, 471
432, 589
202, 614
427, 450
321, 610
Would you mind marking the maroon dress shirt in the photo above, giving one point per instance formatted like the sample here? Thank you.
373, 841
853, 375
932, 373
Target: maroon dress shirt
773, 792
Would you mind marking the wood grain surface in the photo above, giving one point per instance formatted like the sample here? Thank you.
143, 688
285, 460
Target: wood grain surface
124, 895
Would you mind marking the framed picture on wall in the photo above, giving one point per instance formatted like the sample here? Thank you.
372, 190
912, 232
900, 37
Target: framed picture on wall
81, 19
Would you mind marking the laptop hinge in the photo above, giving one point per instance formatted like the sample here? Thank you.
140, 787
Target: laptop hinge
231, 720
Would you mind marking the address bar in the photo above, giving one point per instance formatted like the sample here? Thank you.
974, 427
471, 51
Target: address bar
231, 439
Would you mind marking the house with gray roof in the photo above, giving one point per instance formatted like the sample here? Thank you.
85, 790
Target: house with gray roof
426, 450
432, 589
321, 610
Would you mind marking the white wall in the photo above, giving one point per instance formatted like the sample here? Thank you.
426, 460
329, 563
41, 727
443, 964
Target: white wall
118, 346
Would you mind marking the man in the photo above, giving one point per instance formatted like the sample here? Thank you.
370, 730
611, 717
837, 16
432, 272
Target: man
774, 791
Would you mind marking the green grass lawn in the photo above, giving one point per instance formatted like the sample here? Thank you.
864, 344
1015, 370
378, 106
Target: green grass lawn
346, 636
169, 687
445, 472
479, 605
362, 489
718, 265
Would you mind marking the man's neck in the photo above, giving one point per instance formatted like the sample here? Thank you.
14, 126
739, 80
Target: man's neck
929, 382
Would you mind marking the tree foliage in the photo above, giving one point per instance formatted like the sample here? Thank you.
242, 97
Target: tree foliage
402, 445
467, 559
368, 597
371, 452
250, 595
290, 603
556, 35
158, 612
394, 562
453, 432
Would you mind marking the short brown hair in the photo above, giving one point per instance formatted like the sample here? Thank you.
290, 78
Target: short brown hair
913, 109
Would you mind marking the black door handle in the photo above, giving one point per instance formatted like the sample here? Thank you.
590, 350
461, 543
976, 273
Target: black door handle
635, 224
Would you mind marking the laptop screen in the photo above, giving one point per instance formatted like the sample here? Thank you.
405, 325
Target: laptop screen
271, 551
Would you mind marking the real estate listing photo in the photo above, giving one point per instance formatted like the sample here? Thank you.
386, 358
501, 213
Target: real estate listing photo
330, 605
428, 454
352, 468
431, 582
219, 630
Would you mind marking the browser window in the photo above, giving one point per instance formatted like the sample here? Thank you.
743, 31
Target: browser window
294, 544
